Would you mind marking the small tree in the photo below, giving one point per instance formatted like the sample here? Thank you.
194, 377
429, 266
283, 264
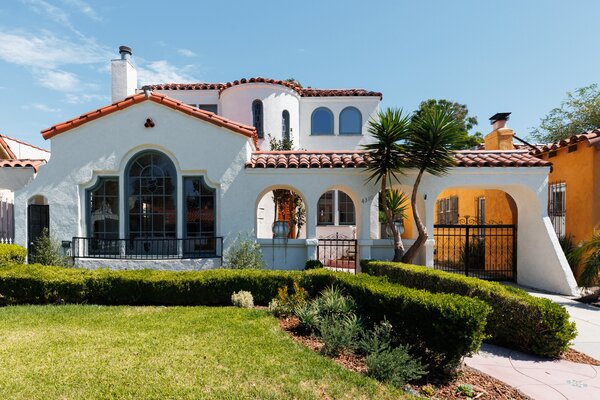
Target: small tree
244, 253
578, 113
385, 160
434, 134
47, 251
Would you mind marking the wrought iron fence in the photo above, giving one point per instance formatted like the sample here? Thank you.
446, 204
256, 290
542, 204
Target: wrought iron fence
338, 252
148, 248
486, 251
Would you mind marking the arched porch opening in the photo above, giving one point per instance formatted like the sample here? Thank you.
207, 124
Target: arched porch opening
475, 233
281, 214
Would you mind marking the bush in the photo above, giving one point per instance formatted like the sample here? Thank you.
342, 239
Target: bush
242, 299
517, 320
443, 327
12, 254
48, 251
313, 264
396, 367
340, 333
285, 303
378, 339
244, 253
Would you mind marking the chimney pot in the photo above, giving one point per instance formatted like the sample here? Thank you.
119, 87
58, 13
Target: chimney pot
125, 52
499, 120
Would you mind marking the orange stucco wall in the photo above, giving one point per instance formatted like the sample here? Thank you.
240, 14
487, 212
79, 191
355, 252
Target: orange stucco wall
499, 207
580, 170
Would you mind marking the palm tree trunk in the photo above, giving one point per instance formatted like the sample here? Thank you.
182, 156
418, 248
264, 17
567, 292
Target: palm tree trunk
410, 255
398, 246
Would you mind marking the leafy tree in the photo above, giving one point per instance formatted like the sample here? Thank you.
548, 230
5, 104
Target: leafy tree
433, 135
386, 159
578, 113
462, 117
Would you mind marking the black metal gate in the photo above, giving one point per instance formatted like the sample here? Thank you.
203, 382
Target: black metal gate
338, 252
38, 219
486, 251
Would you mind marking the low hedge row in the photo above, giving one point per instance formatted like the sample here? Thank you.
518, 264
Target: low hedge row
444, 327
12, 254
517, 320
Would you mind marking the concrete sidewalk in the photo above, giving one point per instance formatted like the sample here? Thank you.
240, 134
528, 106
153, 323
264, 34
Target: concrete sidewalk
587, 319
538, 378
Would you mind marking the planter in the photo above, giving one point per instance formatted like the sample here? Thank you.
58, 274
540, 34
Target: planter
281, 229
399, 227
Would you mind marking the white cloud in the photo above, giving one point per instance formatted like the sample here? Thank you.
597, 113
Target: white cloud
59, 80
49, 51
81, 98
163, 72
186, 52
44, 8
83, 8
44, 108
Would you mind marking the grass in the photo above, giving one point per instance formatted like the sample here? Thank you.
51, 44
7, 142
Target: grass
90, 352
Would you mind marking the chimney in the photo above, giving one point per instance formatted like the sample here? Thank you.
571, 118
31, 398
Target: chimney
124, 75
501, 137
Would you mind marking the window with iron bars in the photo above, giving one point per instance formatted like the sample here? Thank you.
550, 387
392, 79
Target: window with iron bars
557, 207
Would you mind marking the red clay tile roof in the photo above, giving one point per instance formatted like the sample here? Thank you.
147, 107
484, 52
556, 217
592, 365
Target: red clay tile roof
35, 164
207, 116
2, 137
307, 159
356, 159
6, 148
592, 137
498, 158
305, 92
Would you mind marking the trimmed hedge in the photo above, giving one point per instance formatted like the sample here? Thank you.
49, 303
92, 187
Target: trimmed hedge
443, 327
518, 320
12, 254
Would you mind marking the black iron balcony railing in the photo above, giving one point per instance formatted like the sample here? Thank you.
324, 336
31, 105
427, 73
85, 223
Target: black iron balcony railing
148, 248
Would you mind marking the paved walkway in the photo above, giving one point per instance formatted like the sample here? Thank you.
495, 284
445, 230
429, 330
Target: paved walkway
545, 379
537, 377
587, 319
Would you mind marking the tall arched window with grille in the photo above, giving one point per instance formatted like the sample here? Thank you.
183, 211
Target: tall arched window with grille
257, 118
151, 196
285, 125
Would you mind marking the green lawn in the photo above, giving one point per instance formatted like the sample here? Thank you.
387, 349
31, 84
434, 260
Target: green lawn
87, 352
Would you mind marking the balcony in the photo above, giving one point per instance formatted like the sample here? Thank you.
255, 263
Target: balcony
148, 248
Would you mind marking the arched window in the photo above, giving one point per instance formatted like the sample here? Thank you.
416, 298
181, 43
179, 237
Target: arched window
151, 196
325, 209
335, 208
103, 203
285, 125
257, 118
350, 121
321, 122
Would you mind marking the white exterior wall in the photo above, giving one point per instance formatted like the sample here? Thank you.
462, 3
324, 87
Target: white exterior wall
236, 104
367, 106
27, 152
104, 146
193, 96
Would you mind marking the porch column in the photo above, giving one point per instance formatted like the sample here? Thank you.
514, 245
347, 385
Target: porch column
429, 218
311, 226
369, 225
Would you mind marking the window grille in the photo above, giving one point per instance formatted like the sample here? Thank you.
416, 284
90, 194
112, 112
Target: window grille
557, 203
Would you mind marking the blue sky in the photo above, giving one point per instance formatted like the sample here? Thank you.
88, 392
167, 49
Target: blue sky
518, 56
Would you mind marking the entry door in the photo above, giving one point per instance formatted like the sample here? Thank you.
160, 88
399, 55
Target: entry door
38, 218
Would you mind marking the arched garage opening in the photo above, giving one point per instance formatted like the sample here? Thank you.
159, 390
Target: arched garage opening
475, 233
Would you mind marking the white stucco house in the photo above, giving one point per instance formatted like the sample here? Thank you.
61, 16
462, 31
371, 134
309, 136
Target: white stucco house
168, 175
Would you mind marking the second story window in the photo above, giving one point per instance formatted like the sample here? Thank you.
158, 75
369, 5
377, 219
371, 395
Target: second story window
321, 122
350, 121
285, 125
257, 118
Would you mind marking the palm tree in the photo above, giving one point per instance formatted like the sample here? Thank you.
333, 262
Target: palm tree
385, 160
589, 256
434, 134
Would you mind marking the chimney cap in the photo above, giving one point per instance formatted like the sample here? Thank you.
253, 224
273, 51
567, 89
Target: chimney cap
125, 49
503, 116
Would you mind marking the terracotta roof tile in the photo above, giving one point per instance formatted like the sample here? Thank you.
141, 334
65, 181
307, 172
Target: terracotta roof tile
592, 138
302, 91
357, 159
207, 116
35, 164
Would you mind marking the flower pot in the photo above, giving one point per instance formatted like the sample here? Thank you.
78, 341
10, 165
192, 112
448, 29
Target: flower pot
281, 229
399, 227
